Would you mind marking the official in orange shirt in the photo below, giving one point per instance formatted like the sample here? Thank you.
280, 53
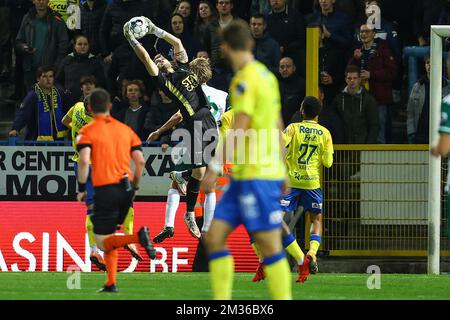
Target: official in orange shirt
110, 146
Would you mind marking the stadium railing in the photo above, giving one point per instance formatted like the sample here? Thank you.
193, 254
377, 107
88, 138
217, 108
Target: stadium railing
375, 201
14, 141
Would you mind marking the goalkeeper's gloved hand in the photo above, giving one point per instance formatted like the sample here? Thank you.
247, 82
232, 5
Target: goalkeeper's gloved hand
153, 29
129, 35
126, 31
151, 25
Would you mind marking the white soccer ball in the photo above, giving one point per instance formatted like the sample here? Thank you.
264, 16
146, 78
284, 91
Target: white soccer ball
139, 27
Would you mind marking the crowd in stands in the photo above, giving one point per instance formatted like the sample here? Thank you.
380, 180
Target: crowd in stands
362, 70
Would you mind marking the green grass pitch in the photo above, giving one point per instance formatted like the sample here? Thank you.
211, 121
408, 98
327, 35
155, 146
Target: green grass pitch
195, 286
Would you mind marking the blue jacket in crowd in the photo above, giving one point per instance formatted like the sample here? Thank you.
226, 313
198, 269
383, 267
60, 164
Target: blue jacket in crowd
268, 52
288, 28
339, 24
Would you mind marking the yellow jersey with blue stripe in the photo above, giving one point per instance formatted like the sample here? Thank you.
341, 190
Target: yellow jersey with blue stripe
79, 119
310, 147
225, 123
254, 92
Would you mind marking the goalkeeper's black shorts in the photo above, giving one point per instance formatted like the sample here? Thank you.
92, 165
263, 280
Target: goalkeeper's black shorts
111, 205
204, 137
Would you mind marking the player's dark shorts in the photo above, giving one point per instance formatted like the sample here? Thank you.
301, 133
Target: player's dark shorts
253, 203
89, 186
310, 200
111, 205
204, 137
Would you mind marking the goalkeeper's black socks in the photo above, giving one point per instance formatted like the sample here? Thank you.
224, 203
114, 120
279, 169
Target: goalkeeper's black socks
193, 188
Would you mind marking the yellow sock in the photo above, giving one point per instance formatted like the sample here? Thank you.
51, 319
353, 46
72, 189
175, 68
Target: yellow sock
294, 250
258, 253
90, 231
314, 243
314, 246
128, 223
278, 277
221, 271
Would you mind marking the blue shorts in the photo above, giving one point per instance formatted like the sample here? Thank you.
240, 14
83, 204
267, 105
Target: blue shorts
89, 186
310, 200
253, 203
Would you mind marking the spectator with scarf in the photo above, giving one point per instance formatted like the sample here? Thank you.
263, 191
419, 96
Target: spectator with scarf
42, 110
384, 29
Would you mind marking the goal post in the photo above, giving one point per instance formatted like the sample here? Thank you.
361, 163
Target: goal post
434, 169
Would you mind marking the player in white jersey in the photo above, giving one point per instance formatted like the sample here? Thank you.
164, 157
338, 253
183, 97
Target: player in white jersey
218, 100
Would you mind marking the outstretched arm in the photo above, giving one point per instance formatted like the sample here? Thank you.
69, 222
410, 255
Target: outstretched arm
140, 51
180, 52
172, 122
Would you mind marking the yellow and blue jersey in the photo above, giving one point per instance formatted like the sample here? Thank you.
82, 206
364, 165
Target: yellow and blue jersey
310, 147
79, 119
61, 6
254, 91
225, 123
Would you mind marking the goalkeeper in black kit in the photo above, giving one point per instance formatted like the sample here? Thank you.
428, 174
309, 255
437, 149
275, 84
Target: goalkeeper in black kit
182, 85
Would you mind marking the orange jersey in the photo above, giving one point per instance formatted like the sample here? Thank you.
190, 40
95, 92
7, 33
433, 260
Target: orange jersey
111, 144
221, 183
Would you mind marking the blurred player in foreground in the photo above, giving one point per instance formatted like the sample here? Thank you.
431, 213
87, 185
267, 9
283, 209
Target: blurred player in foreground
110, 146
256, 187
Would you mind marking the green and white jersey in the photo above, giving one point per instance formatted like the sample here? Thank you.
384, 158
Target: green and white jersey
217, 99
445, 129
445, 115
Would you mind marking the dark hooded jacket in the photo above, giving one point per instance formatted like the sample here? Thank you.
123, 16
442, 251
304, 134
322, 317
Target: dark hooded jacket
359, 114
73, 67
